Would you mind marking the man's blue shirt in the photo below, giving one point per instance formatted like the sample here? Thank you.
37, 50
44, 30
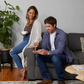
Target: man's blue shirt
60, 44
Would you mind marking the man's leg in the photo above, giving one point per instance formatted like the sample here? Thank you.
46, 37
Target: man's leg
42, 66
58, 62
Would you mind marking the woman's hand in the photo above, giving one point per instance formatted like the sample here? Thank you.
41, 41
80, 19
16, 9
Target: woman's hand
21, 33
36, 44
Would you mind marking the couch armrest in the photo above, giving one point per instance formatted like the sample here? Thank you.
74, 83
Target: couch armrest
30, 63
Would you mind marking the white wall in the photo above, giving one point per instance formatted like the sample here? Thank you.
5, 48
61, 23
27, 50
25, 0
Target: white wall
69, 15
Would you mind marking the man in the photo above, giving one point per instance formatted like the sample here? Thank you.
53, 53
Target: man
54, 50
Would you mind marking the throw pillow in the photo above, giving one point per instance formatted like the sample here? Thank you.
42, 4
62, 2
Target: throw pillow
82, 43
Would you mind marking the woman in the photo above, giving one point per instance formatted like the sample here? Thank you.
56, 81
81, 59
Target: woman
33, 27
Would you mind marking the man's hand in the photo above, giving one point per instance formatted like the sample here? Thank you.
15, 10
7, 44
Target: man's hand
41, 51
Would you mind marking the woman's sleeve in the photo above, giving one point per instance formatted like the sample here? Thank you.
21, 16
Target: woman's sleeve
38, 31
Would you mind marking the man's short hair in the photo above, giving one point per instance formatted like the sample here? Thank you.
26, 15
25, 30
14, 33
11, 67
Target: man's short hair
50, 20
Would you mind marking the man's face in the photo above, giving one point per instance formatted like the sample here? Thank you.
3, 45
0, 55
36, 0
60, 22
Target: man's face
50, 28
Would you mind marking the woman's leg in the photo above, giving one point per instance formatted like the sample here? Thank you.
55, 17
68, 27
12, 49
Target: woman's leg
18, 49
14, 54
15, 51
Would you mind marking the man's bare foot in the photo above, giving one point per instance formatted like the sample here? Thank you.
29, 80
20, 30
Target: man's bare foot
22, 73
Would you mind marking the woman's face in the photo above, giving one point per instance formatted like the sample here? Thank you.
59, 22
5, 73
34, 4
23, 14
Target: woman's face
31, 14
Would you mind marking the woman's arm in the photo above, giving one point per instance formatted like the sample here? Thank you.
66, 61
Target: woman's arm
38, 31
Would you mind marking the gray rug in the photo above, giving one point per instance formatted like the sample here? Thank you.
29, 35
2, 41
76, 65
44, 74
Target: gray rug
35, 82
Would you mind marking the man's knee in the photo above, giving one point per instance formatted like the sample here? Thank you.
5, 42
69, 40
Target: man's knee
55, 58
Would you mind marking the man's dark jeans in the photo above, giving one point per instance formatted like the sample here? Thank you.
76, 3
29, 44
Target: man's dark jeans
57, 60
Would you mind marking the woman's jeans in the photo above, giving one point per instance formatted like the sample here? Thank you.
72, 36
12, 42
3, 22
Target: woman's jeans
18, 49
57, 60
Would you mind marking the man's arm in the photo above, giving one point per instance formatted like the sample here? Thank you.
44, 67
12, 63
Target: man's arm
61, 45
44, 42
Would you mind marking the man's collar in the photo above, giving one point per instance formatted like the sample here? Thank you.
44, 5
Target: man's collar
57, 31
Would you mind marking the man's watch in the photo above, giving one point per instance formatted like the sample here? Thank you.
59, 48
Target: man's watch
48, 53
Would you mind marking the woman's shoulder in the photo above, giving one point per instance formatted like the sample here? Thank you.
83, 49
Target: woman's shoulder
37, 21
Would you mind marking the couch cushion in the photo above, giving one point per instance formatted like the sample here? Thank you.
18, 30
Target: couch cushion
75, 60
80, 56
74, 41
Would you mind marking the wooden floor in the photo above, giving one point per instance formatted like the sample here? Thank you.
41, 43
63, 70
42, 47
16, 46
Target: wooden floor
7, 75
